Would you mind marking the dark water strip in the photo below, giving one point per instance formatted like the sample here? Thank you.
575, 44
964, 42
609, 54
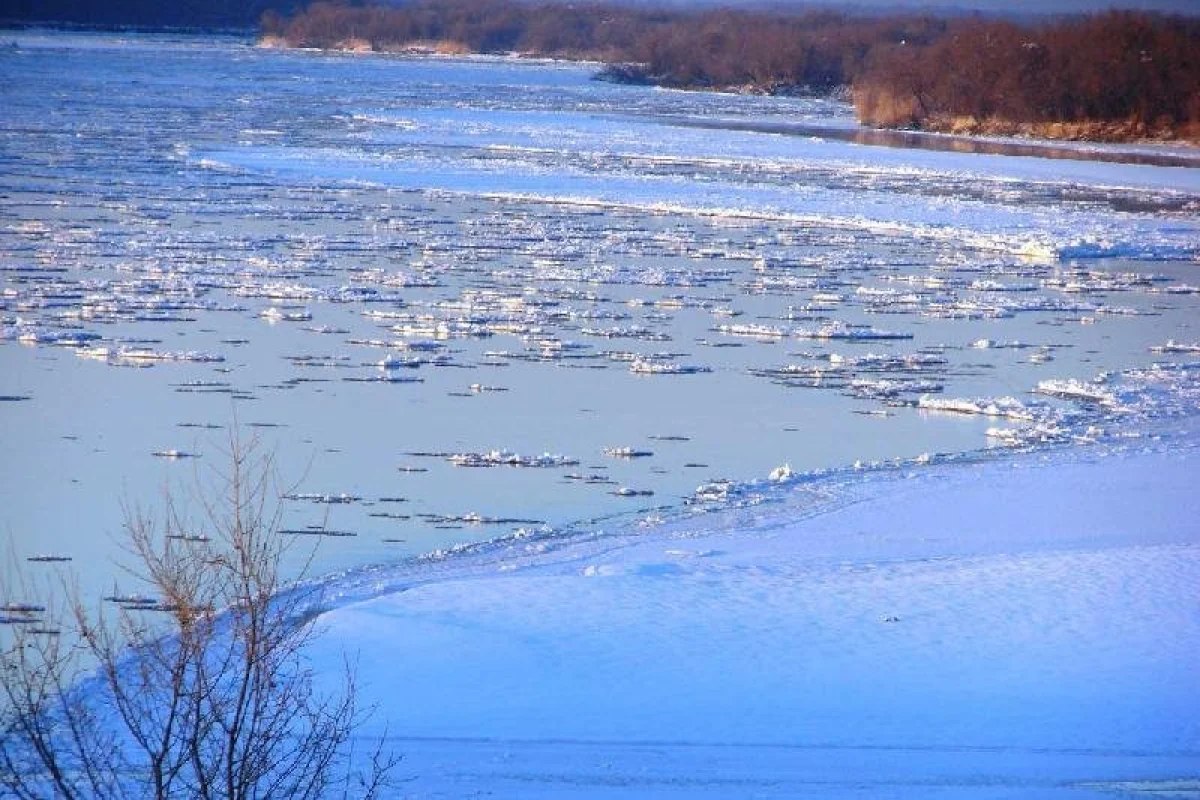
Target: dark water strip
878, 137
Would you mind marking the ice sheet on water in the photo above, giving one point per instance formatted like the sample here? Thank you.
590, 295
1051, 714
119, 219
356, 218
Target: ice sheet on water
1070, 389
1173, 346
1008, 407
1027, 209
585, 279
507, 458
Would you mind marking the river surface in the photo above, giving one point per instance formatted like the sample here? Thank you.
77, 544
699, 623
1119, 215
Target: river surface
465, 298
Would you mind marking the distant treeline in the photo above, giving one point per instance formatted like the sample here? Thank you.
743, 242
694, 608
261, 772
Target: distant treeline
206, 15
695, 49
1112, 75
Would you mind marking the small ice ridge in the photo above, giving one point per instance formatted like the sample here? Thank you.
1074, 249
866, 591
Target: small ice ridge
507, 458
174, 454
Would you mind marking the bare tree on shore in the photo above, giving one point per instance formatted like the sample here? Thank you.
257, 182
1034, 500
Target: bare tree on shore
201, 690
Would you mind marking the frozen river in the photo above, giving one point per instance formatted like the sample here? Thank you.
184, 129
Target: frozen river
463, 298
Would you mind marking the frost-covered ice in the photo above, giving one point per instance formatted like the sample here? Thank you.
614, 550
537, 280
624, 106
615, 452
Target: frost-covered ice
1031, 621
1077, 390
1009, 407
498, 458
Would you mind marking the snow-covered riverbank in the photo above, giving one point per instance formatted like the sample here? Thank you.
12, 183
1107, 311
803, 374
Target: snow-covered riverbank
1001, 629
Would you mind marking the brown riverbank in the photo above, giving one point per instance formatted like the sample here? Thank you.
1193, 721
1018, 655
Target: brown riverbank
901, 111
1125, 131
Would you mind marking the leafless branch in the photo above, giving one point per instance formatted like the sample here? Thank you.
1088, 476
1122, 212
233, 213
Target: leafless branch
202, 691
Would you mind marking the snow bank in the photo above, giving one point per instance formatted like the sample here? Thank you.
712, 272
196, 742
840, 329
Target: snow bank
1023, 627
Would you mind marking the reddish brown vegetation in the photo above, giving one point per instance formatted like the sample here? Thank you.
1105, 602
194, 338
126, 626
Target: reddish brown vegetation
710, 49
1116, 75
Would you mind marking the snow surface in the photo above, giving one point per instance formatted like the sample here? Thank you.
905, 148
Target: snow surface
1022, 627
